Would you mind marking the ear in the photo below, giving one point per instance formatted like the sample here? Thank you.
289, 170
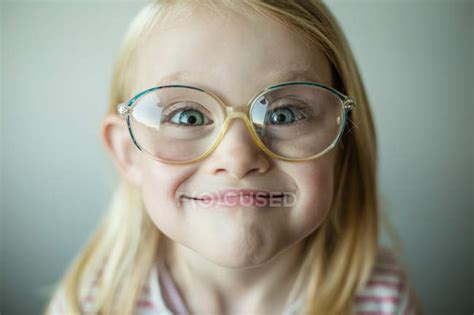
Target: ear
125, 155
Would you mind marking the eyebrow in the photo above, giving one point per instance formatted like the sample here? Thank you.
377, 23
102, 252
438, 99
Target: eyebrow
293, 75
274, 77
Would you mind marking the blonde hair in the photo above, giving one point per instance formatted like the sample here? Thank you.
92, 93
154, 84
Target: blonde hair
341, 252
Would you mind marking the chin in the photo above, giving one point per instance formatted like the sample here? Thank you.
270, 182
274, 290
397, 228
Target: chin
242, 253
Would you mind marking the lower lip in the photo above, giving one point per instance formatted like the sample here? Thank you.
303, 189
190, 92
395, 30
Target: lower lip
234, 202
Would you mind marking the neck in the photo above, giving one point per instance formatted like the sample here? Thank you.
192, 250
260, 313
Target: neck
208, 288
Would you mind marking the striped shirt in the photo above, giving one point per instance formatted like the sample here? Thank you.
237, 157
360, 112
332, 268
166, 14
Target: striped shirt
388, 292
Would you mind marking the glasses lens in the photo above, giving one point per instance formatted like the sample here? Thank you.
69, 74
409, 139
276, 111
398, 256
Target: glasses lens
297, 121
181, 123
176, 123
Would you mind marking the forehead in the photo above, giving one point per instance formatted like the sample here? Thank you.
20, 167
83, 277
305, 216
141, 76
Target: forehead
232, 54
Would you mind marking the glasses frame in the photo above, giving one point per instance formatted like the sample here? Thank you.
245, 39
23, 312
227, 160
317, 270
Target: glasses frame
348, 103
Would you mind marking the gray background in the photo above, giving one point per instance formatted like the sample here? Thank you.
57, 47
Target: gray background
416, 58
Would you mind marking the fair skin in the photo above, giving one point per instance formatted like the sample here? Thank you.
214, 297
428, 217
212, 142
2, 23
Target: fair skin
245, 259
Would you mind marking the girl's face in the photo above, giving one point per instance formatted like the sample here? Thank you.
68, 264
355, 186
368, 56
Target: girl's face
235, 57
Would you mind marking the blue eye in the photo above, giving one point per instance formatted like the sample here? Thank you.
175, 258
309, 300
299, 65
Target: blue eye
185, 114
284, 116
189, 117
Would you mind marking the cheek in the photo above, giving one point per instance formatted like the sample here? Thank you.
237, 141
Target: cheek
159, 184
315, 185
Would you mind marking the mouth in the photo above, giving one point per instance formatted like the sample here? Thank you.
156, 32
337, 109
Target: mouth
261, 195
261, 199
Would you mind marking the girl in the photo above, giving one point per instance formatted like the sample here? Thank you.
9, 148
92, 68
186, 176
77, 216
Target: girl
247, 154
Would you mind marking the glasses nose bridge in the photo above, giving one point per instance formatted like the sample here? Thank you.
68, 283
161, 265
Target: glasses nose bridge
236, 111
240, 112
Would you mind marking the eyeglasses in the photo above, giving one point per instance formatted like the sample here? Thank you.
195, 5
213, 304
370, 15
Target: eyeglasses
291, 121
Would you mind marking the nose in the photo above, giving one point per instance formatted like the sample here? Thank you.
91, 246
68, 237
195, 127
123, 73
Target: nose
237, 155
